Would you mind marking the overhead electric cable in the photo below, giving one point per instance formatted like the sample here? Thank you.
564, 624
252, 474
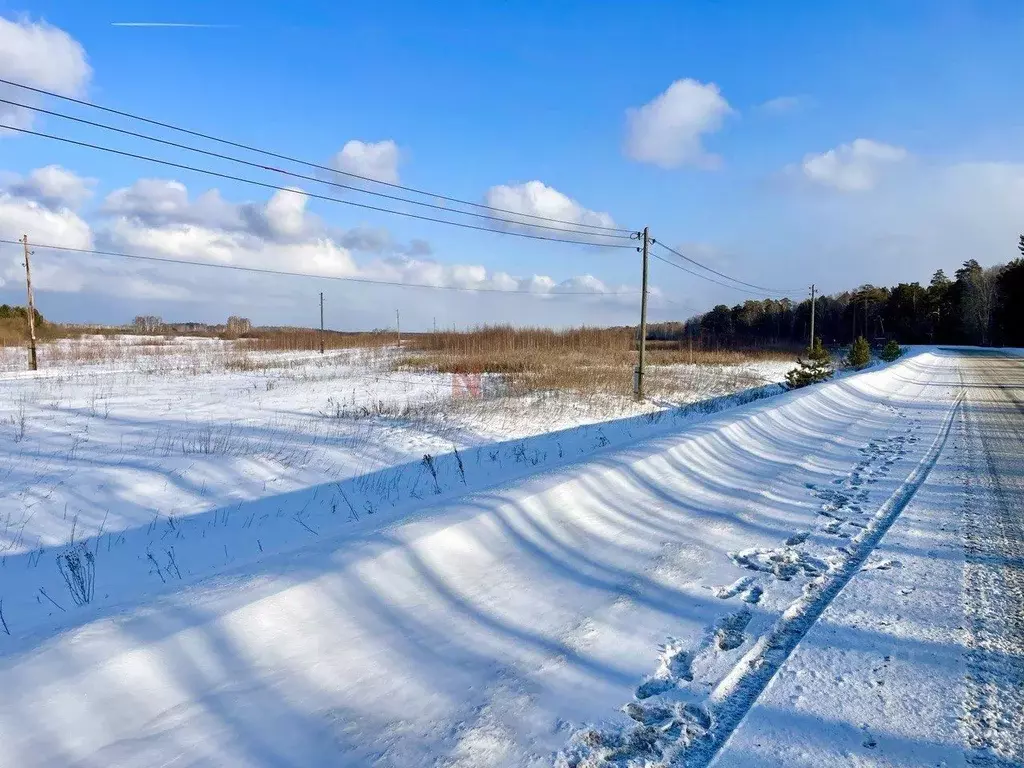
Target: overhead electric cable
307, 163
702, 277
316, 195
720, 274
306, 177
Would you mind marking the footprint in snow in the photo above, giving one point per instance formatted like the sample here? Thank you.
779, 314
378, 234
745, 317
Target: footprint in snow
797, 538
869, 740
729, 632
674, 667
731, 590
752, 595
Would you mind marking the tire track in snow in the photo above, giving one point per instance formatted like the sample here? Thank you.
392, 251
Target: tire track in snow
737, 693
993, 581
693, 733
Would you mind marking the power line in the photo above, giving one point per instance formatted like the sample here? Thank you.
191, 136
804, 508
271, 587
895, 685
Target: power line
267, 185
306, 163
314, 179
715, 272
702, 277
264, 271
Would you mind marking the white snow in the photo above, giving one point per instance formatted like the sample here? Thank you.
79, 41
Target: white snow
252, 581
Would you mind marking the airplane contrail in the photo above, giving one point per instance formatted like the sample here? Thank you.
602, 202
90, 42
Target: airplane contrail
169, 24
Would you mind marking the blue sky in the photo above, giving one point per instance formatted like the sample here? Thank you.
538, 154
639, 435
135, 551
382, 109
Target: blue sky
476, 95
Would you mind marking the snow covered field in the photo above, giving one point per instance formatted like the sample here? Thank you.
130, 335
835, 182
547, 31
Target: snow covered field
116, 434
324, 564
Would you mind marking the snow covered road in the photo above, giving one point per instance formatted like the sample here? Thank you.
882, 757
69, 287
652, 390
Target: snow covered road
920, 660
716, 592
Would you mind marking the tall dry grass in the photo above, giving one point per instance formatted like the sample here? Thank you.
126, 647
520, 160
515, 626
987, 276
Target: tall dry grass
575, 359
68, 345
308, 340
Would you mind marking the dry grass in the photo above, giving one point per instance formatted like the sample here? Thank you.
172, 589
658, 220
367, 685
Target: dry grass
14, 332
308, 340
61, 345
577, 359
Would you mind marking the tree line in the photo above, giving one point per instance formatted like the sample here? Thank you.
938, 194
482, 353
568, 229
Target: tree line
977, 305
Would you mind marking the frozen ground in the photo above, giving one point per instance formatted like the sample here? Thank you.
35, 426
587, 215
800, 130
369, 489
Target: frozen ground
673, 588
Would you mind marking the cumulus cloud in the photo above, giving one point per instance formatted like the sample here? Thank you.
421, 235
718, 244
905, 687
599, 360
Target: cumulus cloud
163, 202
54, 187
669, 131
19, 216
38, 54
535, 198
854, 167
375, 160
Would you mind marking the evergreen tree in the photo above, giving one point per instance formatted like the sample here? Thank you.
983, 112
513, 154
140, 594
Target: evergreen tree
860, 353
1020, 246
892, 351
816, 367
1009, 314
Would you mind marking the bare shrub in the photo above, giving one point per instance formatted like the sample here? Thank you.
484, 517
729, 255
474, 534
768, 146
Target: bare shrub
78, 567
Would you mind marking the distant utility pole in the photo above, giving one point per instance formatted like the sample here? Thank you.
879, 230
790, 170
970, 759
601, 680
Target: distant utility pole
812, 315
643, 319
321, 322
398, 325
30, 310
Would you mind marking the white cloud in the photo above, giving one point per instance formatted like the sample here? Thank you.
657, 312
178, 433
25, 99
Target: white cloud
40, 55
158, 217
668, 131
54, 187
535, 198
285, 213
854, 167
781, 105
21, 216
159, 202
377, 160
581, 284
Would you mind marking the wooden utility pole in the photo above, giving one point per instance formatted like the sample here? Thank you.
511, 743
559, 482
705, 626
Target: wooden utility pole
643, 321
398, 325
30, 310
321, 322
812, 315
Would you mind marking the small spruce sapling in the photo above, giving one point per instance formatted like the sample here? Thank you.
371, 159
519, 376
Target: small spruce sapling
815, 367
892, 351
860, 353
